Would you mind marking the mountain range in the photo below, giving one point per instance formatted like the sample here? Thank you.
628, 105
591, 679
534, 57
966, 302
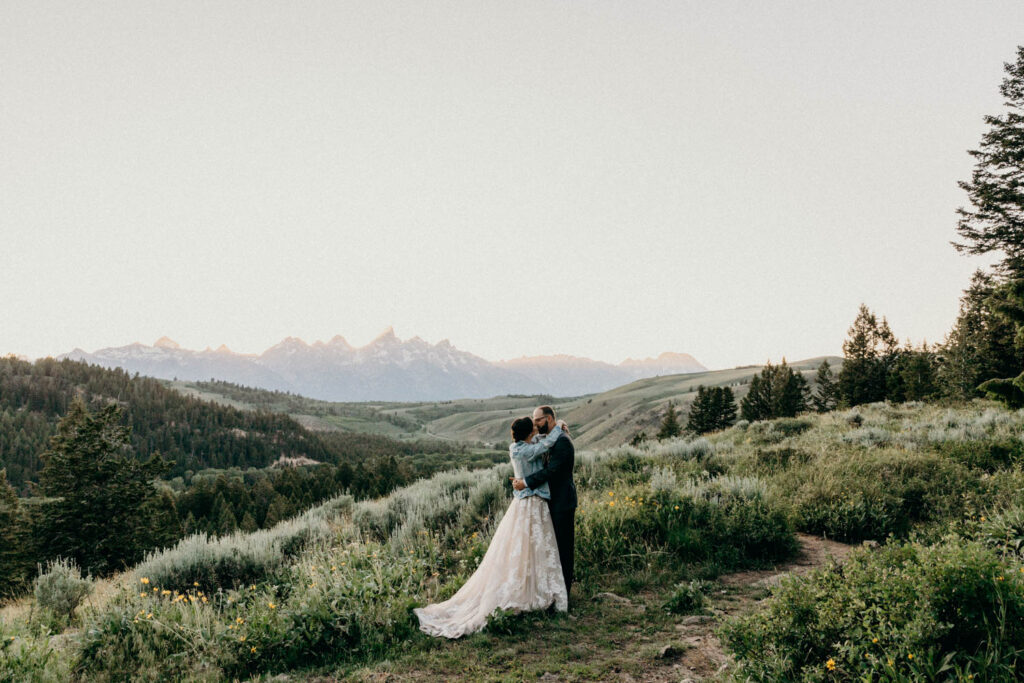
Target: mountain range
386, 369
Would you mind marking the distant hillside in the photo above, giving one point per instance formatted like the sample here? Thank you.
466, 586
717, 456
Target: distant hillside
195, 434
386, 369
602, 419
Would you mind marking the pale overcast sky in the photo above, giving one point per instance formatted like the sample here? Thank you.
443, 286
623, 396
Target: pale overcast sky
604, 179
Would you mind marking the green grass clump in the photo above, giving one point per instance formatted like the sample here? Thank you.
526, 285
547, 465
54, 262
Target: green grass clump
688, 598
872, 494
903, 612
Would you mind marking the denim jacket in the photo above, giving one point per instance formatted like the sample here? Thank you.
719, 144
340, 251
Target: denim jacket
527, 459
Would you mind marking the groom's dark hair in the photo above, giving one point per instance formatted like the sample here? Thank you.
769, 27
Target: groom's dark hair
522, 428
547, 410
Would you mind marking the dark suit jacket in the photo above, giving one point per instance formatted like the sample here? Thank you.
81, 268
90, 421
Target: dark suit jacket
558, 475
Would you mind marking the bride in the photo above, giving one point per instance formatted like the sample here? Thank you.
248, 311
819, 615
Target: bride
521, 570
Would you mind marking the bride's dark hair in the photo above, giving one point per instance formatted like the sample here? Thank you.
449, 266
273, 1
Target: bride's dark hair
522, 428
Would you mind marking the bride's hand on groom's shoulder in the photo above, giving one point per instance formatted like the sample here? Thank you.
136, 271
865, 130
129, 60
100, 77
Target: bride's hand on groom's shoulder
563, 425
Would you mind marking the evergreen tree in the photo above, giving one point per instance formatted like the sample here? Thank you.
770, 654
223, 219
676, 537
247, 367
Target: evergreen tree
757, 404
917, 373
725, 408
995, 221
826, 390
792, 391
14, 566
777, 391
713, 409
226, 522
871, 354
248, 523
1009, 303
279, 510
670, 426
981, 344
701, 416
100, 491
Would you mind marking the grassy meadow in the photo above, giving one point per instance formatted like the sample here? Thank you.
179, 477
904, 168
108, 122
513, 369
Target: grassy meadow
664, 530
600, 420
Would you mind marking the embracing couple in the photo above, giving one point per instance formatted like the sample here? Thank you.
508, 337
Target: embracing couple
529, 564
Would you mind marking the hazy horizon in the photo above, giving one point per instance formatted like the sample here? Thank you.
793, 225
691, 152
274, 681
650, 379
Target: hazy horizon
604, 180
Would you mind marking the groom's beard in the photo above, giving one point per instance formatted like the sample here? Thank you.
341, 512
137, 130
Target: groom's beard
544, 429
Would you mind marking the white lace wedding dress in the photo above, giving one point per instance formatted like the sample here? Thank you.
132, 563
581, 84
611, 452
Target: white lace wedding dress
520, 571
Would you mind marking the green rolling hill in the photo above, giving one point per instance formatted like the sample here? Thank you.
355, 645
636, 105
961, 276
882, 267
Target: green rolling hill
598, 420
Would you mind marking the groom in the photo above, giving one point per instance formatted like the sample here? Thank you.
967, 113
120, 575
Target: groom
557, 473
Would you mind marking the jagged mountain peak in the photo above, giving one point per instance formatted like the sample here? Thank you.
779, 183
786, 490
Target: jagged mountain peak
337, 341
388, 336
166, 343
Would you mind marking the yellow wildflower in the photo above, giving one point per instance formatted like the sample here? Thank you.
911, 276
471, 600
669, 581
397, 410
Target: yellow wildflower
149, 616
611, 504
252, 649
143, 580
240, 620
874, 640
242, 639
910, 656
271, 605
195, 583
830, 664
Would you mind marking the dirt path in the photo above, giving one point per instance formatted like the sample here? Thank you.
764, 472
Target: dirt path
703, 656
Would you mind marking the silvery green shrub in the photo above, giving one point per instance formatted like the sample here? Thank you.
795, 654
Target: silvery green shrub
61, 587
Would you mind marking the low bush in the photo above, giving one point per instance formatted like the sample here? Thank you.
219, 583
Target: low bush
60, 588
988, 455
869, 495
687, 598
635, 528
902, 612
240, 558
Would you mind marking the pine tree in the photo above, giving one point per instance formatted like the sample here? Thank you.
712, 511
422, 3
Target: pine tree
226, 522
777, 391
981, 344
995, 221
714, 408
279, 510
248, 524
100, 491
826, 390
726, 408
871, 358
757, 404
14, 563
670, 424
1009, 303
790, 391
917, 373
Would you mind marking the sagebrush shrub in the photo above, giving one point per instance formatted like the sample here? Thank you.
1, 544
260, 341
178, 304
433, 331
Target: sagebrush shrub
60, 588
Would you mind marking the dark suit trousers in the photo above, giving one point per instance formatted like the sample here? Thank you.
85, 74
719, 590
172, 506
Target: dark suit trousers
565, 536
